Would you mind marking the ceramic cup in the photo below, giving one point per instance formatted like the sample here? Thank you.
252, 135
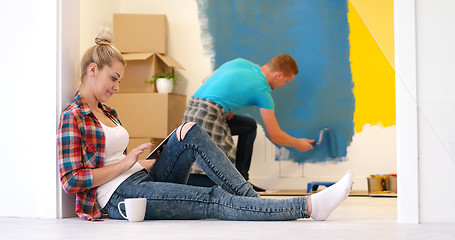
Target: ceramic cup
135, 209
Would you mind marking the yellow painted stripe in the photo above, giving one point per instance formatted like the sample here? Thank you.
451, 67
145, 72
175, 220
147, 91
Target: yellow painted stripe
378, 17
373, 77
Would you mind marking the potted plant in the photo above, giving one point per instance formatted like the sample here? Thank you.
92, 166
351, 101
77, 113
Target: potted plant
164, 82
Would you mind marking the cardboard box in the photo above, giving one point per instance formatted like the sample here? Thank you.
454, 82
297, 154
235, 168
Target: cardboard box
150, 115
141, 67
136, 33
142, 39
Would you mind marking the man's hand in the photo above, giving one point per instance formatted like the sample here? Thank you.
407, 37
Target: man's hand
304, 144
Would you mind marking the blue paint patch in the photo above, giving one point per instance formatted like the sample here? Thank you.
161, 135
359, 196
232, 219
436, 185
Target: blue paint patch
316, 34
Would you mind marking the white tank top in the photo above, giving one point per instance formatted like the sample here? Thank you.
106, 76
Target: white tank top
116, 139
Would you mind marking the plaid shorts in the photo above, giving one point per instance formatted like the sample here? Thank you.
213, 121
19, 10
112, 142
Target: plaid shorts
212, 118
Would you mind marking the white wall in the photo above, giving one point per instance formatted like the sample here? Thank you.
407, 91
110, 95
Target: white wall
425, 110
28, 105
406, 105
435, 85
95, 15
67, 81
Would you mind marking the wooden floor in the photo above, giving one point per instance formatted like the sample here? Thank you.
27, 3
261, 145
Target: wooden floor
356, 218
353, 193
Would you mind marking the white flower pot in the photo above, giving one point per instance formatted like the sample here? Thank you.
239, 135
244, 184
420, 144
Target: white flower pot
164, 85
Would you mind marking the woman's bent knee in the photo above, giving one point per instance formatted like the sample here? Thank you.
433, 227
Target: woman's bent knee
183, 129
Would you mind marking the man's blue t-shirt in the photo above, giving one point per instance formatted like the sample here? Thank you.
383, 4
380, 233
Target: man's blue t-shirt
236, 84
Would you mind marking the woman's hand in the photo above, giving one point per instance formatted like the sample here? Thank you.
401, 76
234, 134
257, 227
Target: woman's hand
105, 174
132, 156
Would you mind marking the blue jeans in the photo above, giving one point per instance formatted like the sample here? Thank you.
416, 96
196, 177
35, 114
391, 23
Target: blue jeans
168, 196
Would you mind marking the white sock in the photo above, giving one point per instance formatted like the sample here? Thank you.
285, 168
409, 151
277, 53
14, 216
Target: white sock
325, 201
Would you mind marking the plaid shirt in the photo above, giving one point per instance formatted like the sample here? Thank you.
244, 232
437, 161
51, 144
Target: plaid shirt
81, 144
211, 117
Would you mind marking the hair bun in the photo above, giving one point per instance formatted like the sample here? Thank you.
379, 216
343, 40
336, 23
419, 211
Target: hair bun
104, 37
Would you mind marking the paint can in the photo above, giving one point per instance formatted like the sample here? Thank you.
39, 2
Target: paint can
375, 184
391, 183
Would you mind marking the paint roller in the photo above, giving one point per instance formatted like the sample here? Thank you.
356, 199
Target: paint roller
321, 134
329, 136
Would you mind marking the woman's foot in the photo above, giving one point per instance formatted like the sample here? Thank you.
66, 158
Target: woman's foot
322, 203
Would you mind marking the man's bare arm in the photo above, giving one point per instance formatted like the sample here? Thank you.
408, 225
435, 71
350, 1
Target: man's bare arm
280, 137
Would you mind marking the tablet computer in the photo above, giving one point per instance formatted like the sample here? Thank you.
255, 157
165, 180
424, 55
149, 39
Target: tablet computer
155, 153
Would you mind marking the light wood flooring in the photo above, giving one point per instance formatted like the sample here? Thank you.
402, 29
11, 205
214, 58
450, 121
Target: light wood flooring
356, 218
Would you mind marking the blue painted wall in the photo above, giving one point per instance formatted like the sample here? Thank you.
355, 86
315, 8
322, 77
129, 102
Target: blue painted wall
316, 34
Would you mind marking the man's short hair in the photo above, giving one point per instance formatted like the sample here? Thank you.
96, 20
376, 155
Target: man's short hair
283, 63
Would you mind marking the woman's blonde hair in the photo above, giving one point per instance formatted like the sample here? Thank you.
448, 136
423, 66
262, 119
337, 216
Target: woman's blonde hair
102, 53
283, 63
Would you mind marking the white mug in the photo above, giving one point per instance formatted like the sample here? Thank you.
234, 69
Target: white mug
135, 209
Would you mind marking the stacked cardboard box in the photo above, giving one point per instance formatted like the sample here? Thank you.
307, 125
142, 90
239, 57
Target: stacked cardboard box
147, 115
142, 39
